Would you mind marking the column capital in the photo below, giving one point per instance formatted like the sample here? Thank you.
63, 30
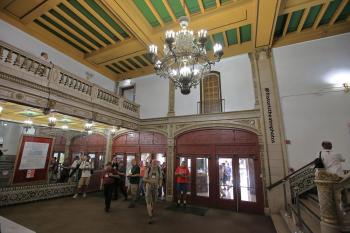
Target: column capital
263, 53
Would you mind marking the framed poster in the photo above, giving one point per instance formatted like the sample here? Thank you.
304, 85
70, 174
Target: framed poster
32, 159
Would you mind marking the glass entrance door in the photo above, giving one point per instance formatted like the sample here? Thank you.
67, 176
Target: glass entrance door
237, 183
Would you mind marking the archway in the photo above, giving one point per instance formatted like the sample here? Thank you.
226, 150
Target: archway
225, 168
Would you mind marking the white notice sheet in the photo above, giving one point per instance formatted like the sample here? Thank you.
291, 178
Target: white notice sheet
34, 155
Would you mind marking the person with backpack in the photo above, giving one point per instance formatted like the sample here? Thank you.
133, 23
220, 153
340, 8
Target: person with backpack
74, 169
153, 180
331, 161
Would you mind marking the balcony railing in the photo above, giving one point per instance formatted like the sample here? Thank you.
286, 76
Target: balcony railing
27, 67
212, 106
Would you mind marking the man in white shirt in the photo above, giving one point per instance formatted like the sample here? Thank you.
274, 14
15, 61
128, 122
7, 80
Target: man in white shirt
86, 167
332, 161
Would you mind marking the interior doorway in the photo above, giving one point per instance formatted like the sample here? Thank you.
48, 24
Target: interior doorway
224, 168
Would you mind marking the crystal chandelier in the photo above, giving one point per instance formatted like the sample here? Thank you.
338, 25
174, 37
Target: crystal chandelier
52, 121
185, 58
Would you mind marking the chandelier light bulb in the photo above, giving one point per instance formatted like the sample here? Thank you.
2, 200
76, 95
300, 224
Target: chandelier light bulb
113, 130
64, 127
169, 34
217, 48
1, 108
202, 33
185, 71
88, 125
28, 122
153, 49
89, 132
52, 121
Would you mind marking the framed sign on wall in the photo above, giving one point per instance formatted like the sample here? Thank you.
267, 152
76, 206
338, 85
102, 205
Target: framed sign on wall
32, 159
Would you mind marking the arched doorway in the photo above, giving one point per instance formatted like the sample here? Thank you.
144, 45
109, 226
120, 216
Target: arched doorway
139, 145
224, 166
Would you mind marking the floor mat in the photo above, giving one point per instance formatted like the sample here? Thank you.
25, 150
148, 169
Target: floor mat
195, 210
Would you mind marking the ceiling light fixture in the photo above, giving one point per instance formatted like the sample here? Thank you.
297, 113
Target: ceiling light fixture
113, 130
88, 125
1, 108
27, 124
52, 121
64, 127
185, 58
346, 87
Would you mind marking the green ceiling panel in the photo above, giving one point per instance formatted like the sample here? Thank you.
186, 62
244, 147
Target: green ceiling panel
119, 67
193, 6
82, 23
162, 11
345, 13
146, 12
311, 17
219, 38
75, 28
59, 36
48, 19
133, 63
231, 36
92, 18
208, 3
106, 17
281, 21
139, 59
245, 33
177, 8
209, 45
112, 69
330, 11
126, 65
294, 20
224, 1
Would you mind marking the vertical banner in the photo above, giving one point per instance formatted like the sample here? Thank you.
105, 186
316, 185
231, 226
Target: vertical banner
32, 159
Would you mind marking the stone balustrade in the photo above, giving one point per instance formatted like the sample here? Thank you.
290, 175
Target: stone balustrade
60, 85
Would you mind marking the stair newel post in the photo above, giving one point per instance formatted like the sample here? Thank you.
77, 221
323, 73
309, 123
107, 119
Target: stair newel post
325, 183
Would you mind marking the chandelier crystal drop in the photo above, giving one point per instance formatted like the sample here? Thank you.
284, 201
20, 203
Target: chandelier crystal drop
185, 59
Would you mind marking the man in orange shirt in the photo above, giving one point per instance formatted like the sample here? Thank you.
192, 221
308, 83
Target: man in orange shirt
182, 174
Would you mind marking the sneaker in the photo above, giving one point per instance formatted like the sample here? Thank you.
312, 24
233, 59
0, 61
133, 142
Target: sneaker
106, 209
84, 195
150, 220
75, 196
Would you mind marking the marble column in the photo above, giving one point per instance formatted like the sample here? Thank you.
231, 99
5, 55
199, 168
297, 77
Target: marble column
170, 170
108, 156
328, 200
171, 99
267, 100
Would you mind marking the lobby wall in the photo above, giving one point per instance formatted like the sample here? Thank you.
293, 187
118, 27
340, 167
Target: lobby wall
24, 41
314, 107
236, 86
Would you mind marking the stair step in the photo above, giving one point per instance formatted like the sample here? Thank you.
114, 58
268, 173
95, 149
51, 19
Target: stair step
311, 206
313, 197
279, 224
310, 221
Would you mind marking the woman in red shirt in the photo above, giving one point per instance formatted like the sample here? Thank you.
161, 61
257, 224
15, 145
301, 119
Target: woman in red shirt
182, 173
107, 180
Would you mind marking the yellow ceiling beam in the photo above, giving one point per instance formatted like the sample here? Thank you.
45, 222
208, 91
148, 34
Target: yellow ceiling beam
78, 25
45, 7
54, 28
124, 57
320, 15
201, 6
187, 12
168, 8
136, 73
225, 39
338, 11
87, 20
285, 29
295, 5
99, 18
115, 51
266, 21
303, 19
311, 34
58, 21
131, 17
218, 3
154, 12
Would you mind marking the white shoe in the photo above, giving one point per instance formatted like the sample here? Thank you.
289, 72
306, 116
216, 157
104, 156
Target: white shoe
84, 195
75, 196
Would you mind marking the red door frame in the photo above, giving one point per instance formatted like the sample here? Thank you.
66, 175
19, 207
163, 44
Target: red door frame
233, 150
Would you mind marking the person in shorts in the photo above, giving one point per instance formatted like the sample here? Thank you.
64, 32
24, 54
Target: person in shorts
86, 167
134, 178
182, 177
153, 180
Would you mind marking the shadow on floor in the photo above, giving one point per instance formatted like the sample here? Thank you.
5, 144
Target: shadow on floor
86, 215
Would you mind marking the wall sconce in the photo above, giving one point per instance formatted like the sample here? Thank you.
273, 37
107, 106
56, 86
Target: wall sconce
346, 87
113, 131
27, 124
52, 121
88, 125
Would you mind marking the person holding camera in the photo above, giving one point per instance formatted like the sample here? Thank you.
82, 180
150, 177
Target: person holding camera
108, 178
86, 167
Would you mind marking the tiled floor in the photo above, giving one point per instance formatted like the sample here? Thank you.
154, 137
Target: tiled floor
68, 215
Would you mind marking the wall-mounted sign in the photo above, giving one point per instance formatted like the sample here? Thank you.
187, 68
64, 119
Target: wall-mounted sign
269, 115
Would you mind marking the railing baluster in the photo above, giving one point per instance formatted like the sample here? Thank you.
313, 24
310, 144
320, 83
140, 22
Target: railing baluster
18, 60
9, 57
1, 53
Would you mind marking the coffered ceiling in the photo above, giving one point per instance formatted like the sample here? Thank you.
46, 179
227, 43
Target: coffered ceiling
112, 36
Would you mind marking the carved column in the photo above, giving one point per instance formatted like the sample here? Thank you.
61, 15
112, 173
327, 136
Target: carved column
170, 170
268, 101
171, 100
328, 200
108, 156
